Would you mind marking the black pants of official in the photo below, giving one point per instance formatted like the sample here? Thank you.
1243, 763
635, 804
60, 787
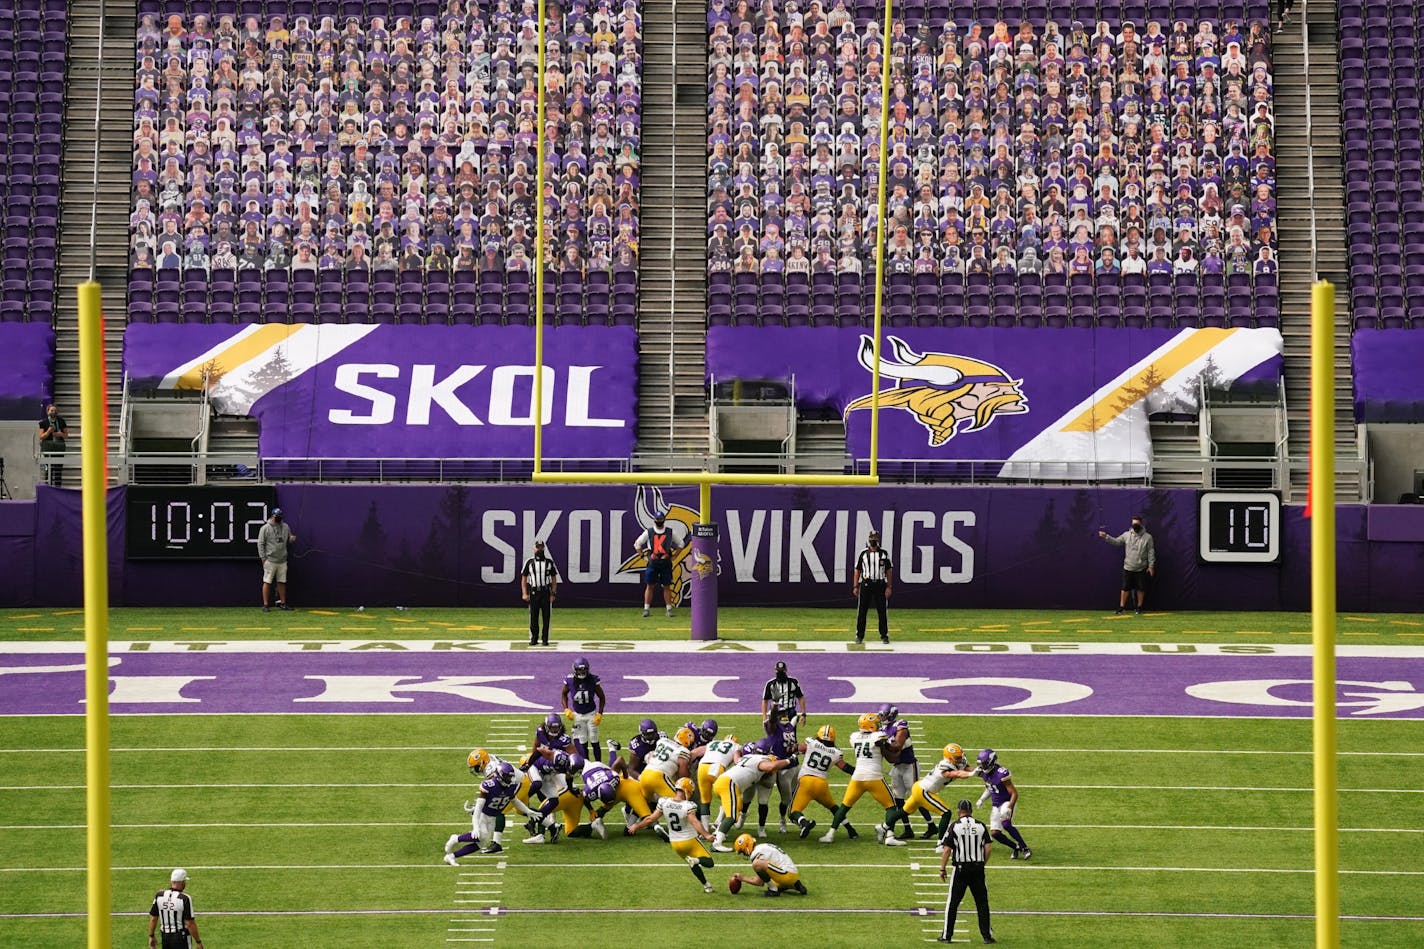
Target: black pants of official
174, 940
967, 876
538, 616
872, 595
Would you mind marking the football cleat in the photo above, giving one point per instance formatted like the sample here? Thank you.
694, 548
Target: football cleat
772, 891
931, 833
826, 734
880, 833
829, 837
450, 859
953, 752
800, 888
988, 758
645, 612
807, 825
868, 722
851, 832
536, 839
721, 846
493, 848
744, 845
452, 843
613, 745
1027, 853
478, 761
599, 829
554, 830
781, 828
686, 737
661, 833
669, 612
685, 785
706, 888
892, 841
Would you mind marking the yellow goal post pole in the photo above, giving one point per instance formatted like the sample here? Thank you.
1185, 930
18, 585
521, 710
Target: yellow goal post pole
93, 465
539, 150
1322, 608
881, 184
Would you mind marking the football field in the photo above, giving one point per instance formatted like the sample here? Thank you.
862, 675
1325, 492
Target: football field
308, 781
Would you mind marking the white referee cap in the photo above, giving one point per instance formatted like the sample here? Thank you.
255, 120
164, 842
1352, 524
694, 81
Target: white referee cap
178, 876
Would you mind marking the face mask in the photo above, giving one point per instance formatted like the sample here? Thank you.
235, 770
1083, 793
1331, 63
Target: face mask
1137, 528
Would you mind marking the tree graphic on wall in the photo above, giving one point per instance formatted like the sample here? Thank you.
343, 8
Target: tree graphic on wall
274, 373
438, 558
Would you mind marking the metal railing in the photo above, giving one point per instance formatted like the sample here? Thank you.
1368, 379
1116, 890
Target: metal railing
1003, 471
1309, 133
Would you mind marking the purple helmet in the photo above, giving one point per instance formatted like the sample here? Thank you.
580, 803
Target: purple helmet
607, 792
576, 763
580, 667
988, 758
553, 725
648, 729
888, 713
759, 747
561, 762
504, 774
708, 729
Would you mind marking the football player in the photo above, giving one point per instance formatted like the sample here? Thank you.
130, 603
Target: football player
734, 783
641, 745
1003, 798
685, 832
584, 702
773, 868
551, 736
485, 765
718, 755
706, 730
497, 793
925, 796
906, 769
603, 786
781, 733
668, 761
552, 772
870, 748
819, 755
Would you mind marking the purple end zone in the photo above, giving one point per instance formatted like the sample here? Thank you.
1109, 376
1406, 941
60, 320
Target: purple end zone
385, 681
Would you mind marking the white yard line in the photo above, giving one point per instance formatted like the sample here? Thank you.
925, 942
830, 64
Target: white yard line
388, 749
1235, 788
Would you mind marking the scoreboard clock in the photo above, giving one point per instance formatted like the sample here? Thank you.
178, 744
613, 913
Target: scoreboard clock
195, 523
1239, 527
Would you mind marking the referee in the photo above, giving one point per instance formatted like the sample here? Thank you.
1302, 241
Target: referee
172, 915
539, 584
967, 844
782, 691
873, 575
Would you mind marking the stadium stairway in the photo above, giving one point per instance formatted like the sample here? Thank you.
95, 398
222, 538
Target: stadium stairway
1294, 201
78, 196
672, 321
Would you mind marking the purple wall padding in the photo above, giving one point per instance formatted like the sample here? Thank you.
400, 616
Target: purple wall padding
954, 547
26, 370
17, 553
1389, 384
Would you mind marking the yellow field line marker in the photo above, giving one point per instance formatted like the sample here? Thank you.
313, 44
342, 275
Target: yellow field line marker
933, 629
1362, 619
69, 613
1411, 634
399, 619
244, 629
606, 629
1086, 630
779, 629
306, 629
1404, 622
1252, 632
1202, 632
1358, 634
144, 629
29, 616
324, 612
1037, 622
197, 629
34, 629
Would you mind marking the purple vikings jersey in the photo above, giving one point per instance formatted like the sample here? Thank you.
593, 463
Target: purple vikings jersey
782, 738
595, 780
497, 796
907, 751
995, 779
640, 747
562, 742
581, 693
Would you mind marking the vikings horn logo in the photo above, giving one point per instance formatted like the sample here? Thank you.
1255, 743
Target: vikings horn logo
678, 519
948, 394
703, 565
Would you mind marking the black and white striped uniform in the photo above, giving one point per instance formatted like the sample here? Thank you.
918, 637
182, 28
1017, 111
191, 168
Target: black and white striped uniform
173, 908
968, 840
873, 570
781, 693
540, 577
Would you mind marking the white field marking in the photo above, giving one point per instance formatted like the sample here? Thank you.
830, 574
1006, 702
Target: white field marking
394, 749
1014, 867
466, 784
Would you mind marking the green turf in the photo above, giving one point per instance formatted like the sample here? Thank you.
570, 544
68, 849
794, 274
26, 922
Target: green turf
786, 624
334, 845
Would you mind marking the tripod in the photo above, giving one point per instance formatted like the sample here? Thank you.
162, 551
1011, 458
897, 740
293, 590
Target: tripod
5, 494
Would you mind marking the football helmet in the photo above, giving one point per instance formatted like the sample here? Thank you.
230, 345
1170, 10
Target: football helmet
607, 793
953, 752
868, 722
561, 762
888, 713
988, 759
505, 774
553, 724
648, 729
744, 845
758, 747
686, 737
708, 729
826, 734
576, 763
580, 667
685, 785
478, 761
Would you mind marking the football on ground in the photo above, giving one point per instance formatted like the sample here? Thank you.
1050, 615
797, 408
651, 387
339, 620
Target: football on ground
735, 883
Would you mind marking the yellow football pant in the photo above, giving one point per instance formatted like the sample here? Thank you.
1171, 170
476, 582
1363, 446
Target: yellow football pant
920, 798
879, 790
692, 847
811, 788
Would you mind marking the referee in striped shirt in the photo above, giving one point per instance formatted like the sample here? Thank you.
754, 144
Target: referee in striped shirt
172, 916
539, 584
966, 843
873, 575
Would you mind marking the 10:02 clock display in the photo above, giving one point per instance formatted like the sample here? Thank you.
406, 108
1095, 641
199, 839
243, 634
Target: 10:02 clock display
195, 522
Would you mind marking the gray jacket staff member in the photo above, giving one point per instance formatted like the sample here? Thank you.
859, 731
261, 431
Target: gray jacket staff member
966, 843
53, 434
1139, 561
272, 542
172, 915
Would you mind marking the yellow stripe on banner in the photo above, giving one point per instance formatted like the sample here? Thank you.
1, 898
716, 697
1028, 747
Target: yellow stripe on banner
1159, 370
250, 346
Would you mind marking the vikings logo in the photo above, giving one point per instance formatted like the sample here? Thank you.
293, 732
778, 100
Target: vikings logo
678, 519
948, 394
703, 565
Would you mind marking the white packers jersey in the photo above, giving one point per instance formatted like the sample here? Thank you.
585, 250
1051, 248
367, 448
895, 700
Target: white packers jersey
939, 777
677, 814
554, 782
776, 858
665, 756
820, 758
747, 771
719, 752
869, 762
493, 766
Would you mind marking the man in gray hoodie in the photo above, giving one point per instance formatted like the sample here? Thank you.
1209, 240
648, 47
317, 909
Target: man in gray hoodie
1139, 561
272, 542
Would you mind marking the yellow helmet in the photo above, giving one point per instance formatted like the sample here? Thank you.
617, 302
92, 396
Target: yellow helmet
733, 739
744, 845
868, 722
686, 737
478, 761
685, 785
953, 752
826, 734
